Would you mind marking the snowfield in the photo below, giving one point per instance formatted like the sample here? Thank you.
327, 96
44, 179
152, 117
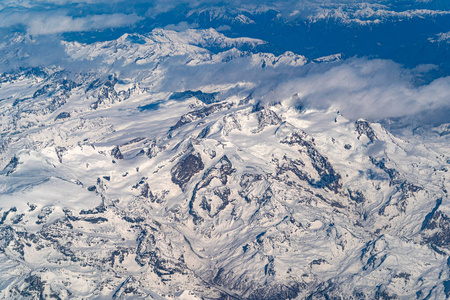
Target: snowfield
175, 172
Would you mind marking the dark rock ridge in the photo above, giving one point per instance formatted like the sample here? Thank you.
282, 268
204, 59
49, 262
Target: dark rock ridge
10, 167
186, 168
329, 178
116, 153
200, 114
202, 199
62, 115
363, 128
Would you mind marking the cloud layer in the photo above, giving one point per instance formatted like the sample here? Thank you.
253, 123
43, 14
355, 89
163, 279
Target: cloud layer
368, 11
372, 89
41, 23
359, 88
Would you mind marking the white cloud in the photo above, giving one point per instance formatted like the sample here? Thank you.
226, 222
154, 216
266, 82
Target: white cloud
33, 3
181, 26
349, 11
372, 89
358, 88
41, 23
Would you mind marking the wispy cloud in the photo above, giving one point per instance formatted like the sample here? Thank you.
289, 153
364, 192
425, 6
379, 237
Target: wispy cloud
181, 26
47, 16
34, 3
372, 89
41, 23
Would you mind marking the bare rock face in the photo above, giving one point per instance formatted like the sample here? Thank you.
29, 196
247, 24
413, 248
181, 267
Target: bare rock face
115, 152
186, 168
200, 114
11, 166
363, 128
266, 117
62, 115
209, 197
329, 178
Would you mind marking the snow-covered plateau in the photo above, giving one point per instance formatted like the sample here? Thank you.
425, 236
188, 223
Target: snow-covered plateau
180, 165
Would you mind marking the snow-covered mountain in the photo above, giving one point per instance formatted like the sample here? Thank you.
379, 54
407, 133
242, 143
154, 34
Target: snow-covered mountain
153, 167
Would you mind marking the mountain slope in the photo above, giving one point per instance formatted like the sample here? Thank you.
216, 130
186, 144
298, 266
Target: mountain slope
130, 182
